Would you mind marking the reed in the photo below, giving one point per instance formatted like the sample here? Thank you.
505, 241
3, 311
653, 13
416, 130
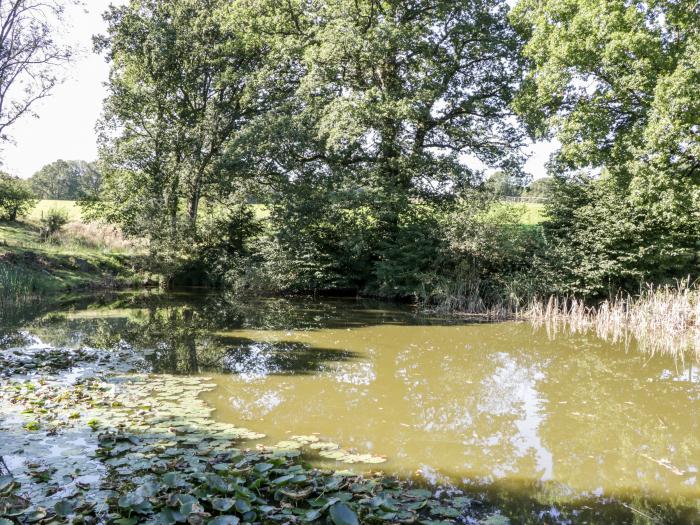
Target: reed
469, 297
660, 319
17, 288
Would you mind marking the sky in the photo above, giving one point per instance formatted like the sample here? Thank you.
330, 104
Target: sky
65, 127
65, 123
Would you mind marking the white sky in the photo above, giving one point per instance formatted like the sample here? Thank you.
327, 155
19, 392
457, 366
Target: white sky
65, 127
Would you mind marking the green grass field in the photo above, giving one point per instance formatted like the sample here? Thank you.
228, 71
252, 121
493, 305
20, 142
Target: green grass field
70, 207
534, 213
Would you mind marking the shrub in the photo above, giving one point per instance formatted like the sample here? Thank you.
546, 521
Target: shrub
52, 223
15, 197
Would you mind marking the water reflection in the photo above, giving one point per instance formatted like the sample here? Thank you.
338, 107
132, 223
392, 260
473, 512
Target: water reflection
572, 419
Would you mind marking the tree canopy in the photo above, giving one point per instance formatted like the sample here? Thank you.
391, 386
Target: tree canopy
365, 128
615, 83
66, 180
29, 56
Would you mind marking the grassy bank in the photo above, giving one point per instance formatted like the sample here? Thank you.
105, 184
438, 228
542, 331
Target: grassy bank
81, 256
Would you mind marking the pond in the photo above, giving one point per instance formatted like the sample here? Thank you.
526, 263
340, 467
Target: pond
556, 428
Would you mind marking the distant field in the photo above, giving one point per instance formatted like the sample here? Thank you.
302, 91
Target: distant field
534, 213
71, 208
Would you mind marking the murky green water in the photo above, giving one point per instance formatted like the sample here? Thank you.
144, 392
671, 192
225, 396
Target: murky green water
557, 429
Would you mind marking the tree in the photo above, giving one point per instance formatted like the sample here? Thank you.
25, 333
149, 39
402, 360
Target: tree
615, 83
377, 106
177, 97
539, 188
15, 197
66, 180
501, 184
29, 55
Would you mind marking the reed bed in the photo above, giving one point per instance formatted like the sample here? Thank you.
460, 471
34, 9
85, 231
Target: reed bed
17, 288
660, 319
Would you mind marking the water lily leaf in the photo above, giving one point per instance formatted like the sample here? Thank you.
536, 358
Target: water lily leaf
5, 521
131, 499
170, 517
225, 520
324, 446
192, 507
36, 515
419, 493
341, 514
175, 500
263, 467
242, 506
288, 445
222, 504
283, 479
306, 440
63, 508
496, 519
313, 515
461, 501
126, 521
148, 489
172, 479
6, 483
217, 483
445, 512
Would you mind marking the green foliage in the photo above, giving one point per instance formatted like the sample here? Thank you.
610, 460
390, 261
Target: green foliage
540, 188
66, 180
414, 259
613, 82
16, 199
600, 242
53, 222
177, 96
16, 288
501, 184
355, 123
372, 106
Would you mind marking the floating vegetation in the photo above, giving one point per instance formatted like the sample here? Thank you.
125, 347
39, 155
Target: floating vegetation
324, 449
89, 440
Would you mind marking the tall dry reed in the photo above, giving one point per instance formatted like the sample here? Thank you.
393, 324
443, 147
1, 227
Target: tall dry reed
95, 236
662, 319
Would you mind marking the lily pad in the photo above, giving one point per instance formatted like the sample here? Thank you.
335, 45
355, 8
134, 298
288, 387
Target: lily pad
341, 514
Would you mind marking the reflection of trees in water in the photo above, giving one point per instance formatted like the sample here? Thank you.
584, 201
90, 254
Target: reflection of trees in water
643, 426
178, 331
471, 409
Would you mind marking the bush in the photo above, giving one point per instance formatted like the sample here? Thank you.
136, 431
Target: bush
603, 238
15, 198
52, 223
